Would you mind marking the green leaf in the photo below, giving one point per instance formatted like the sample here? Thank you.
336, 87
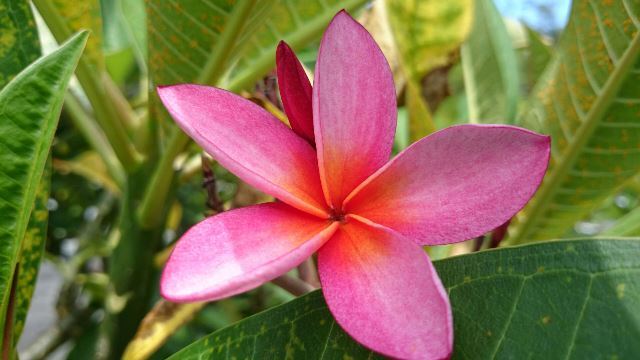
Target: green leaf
588, 101
31, 253
562, 299
194, 40
135, 19
538, 56
125, 35
491, 73
29, 108
19, 45
198, 41
297, 22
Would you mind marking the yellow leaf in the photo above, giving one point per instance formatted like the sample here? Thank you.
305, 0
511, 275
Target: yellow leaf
157, 326
90, 166
426, 31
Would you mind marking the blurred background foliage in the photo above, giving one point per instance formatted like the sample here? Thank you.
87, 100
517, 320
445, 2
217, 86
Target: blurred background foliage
125, 182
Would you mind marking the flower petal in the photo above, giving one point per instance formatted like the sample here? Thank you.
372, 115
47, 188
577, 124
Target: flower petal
295, 91
354, 108
239, 250
249, 142
455, 184
383, 290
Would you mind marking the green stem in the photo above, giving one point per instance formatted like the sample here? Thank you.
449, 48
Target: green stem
94, 136
130, 270
104, 108
219, 55
119, 103
158, 189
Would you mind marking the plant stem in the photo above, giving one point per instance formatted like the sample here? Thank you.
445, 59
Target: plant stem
104, 108
307, 273
209, 183
130, 269
157, 190
94, 136
293, 285
216, 63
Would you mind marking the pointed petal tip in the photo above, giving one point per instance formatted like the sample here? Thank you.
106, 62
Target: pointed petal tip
343, 12
492, 171
282, 45
343, 17
167, 92
161, 89
249, 142
282, 49
167, 292
348, 127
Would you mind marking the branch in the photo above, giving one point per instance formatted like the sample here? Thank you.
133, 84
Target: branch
94, 136
293, 285
307, 273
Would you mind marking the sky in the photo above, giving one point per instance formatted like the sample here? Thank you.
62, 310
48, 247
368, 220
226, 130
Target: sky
546, 16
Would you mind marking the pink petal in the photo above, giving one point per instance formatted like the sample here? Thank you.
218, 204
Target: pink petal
295, 91
249, 142
354, 108
383, 290
455, 184
238, 250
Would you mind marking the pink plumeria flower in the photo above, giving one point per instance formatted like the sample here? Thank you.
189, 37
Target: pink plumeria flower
366, 216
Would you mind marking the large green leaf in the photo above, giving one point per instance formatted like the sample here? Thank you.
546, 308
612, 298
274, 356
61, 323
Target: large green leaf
19, 47
490, 66
19, 44
588, 100
29, 109
571, 299
31, 253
